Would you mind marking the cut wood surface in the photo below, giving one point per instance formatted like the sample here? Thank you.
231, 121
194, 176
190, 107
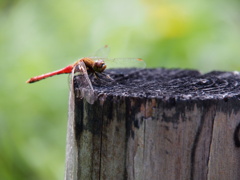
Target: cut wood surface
156, 124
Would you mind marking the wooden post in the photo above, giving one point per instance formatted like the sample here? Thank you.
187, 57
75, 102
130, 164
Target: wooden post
157, 124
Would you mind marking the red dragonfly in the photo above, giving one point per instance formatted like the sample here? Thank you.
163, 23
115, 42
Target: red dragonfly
91, 65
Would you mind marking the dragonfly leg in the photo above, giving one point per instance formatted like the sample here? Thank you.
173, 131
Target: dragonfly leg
96, 75
90, 76
107, 76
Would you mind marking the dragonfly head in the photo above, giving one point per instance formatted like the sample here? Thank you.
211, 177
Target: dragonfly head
99, 66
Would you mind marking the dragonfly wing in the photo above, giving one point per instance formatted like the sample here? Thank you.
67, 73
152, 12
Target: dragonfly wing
125, 63
102, 52
83, 84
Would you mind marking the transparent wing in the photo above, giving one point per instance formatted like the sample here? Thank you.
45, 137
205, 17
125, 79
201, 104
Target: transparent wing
102, 52
124, 63
83, 84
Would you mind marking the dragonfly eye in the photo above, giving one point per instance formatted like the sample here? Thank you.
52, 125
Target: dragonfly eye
99, 66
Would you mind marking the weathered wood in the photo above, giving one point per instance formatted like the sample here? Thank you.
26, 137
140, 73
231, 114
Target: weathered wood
157, 124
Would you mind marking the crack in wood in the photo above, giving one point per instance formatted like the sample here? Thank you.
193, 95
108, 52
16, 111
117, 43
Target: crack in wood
211, 139
236, 136
101, 148
195, 145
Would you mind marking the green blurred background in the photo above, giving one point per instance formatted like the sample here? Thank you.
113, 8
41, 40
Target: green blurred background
41, 36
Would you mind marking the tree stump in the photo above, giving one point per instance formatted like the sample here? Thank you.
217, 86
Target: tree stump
157, 124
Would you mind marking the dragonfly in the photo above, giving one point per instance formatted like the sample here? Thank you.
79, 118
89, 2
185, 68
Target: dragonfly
93, 65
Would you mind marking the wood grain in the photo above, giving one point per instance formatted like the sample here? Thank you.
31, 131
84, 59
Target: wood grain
139, 134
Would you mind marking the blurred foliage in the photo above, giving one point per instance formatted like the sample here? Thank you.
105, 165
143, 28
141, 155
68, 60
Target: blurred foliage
40, 36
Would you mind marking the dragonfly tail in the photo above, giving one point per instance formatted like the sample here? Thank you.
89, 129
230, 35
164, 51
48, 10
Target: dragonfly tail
65, 70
